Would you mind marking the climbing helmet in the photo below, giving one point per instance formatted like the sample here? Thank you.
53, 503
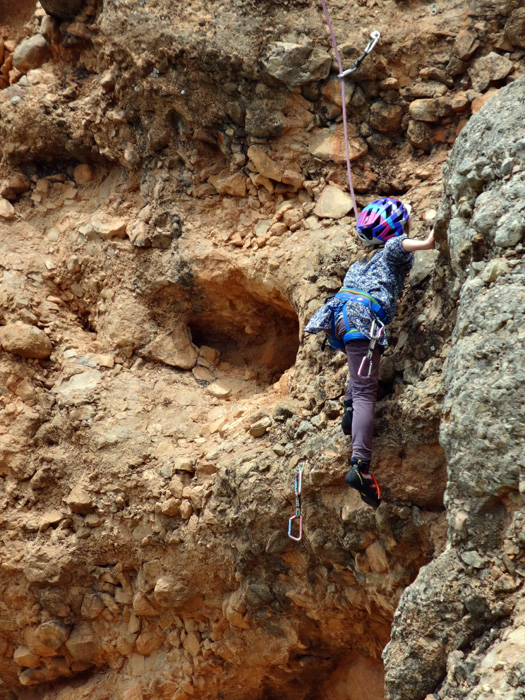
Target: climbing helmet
381, 220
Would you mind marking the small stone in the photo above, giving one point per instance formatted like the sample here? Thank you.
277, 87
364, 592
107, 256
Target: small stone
115, 228
79, 501
472, 558
264, 164
385, 117
295, 64
509, 232
377, 557
515, 28
209, 354
495, 268
50, 517
139, 234
219, 389
425, 110
203, 374
108, 81
427, 88
459, 102
25, 340
191, 644
83, 174
23, 657
142, 607
279, 228
46, 638
186, 509
184, 464
482, 100
329, 144
174, 349
83, 643
489, 68
82, 383
465, 45
93, 520
165, 447
226, 183
293, 178
460, 520
7, 210
17, 183
260, 427
333, 203
31, 53
170, 507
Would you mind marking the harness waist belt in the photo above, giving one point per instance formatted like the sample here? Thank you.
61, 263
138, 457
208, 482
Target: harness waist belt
347, 294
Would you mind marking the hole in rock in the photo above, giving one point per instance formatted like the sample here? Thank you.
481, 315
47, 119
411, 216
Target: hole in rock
252, 328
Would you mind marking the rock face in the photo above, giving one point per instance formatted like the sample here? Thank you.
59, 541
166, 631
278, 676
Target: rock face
173, 209
456, 621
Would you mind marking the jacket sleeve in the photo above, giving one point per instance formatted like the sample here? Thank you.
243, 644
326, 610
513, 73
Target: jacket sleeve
396, 256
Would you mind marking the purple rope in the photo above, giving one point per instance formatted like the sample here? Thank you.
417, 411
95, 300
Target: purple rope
343, 101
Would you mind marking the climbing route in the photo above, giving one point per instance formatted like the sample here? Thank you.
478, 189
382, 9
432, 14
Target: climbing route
374, 38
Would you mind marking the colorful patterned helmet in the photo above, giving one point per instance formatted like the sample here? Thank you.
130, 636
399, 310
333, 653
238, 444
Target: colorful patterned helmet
381, 220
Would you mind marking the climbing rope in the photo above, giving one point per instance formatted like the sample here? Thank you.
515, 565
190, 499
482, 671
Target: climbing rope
295, 524
374, 37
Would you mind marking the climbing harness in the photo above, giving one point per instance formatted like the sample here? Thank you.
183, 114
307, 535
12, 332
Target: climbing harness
346, 294
376, 331
374, 39
295, 524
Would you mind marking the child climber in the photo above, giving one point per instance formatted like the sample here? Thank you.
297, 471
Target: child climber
354, 320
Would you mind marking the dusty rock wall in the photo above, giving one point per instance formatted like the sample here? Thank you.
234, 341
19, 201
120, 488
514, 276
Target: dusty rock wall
171, 215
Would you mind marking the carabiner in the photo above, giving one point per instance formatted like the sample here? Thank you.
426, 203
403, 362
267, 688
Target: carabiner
299, 519
298, 485
374, 38
359, 371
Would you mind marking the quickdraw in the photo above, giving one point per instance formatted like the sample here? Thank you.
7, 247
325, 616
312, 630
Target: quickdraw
376, 331
374, 39
295, 523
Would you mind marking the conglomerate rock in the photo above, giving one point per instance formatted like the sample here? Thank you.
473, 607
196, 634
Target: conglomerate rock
168, 233
453, 630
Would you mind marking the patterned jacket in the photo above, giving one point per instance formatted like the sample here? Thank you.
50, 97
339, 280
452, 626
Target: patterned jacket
382, 276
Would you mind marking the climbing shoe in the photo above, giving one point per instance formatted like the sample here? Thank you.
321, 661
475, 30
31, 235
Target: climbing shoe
360, 479
346, 423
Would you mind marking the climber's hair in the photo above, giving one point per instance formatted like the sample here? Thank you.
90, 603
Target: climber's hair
367, 254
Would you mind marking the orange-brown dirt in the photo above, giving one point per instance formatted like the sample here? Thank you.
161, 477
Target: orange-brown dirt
165, 236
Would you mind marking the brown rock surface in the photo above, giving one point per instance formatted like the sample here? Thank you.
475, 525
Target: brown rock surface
143, 524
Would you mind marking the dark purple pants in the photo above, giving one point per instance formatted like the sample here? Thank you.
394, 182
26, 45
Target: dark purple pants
362, 392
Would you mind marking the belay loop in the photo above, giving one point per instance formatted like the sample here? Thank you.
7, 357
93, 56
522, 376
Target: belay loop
374, 38
295, 523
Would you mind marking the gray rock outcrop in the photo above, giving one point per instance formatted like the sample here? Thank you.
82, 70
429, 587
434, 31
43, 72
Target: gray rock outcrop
455, 620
